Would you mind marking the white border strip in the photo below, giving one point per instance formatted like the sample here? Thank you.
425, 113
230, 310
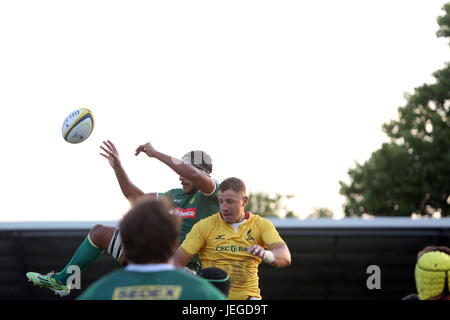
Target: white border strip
54, 225
381, 222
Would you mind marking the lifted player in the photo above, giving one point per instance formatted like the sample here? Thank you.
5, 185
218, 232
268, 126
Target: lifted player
197, 199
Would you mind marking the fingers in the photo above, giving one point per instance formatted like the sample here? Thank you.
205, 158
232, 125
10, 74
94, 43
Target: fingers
108, 152
146, 148
110, 149
112, 146
140, 149
109, 145
256, 250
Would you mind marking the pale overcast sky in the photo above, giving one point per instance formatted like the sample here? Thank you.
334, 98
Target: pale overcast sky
286, 95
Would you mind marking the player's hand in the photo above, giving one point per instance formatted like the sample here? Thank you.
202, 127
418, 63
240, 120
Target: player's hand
256, 250
147, 148
111, 154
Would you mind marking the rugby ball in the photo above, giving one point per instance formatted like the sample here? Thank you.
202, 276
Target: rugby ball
78, 125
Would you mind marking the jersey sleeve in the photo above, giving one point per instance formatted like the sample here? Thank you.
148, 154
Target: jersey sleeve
195, 239
214, 194
270, 236
167, 194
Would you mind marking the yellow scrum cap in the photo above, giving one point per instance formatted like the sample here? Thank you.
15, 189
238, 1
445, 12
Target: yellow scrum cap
431, 272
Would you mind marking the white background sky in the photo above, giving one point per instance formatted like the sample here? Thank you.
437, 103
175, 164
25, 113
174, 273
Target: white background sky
286, 95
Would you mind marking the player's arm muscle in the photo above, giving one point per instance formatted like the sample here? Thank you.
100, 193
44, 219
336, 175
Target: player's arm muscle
129, 190
282, 256
201, 180
182, 257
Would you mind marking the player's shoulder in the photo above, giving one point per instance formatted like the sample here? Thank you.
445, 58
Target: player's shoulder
188, 278
111, 277
210, 220
254, 217
117, 273
175, 195
183, 274
100, 289
198, 287
257, 219
175, 192
206, 225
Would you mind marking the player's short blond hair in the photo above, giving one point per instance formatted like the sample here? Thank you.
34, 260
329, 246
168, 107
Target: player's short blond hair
235, 184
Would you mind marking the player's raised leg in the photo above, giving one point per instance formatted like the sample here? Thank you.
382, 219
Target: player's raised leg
99, 239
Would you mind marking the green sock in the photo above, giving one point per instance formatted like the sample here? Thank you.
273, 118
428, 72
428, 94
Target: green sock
86, 254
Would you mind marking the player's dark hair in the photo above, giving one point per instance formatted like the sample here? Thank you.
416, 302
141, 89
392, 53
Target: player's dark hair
199, 159
217, 277
234, 184
149, 232
443, 249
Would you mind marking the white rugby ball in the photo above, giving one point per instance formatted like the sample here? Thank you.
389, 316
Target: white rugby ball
78, 125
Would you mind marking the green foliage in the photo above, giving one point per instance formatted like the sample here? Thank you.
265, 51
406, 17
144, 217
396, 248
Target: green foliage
263, 204
411, 174
385, 185
321, 212
444, 22
291, 214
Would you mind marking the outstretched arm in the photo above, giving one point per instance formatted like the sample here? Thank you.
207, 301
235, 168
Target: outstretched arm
186, 170
129, 190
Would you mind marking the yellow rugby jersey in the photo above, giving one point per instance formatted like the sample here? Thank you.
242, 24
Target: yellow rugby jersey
218, 244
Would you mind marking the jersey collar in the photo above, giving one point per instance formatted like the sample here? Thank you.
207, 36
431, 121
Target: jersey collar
152, 267
246, 216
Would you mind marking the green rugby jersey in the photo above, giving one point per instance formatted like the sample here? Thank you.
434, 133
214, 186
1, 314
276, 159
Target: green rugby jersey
193, 207
167, 283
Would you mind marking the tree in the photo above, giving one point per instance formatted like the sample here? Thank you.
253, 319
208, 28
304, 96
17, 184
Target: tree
263, 204
385, 185
411, 173
291, 214
321, 212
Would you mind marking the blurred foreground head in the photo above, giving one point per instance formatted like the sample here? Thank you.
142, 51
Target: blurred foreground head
149, 232
432, 275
